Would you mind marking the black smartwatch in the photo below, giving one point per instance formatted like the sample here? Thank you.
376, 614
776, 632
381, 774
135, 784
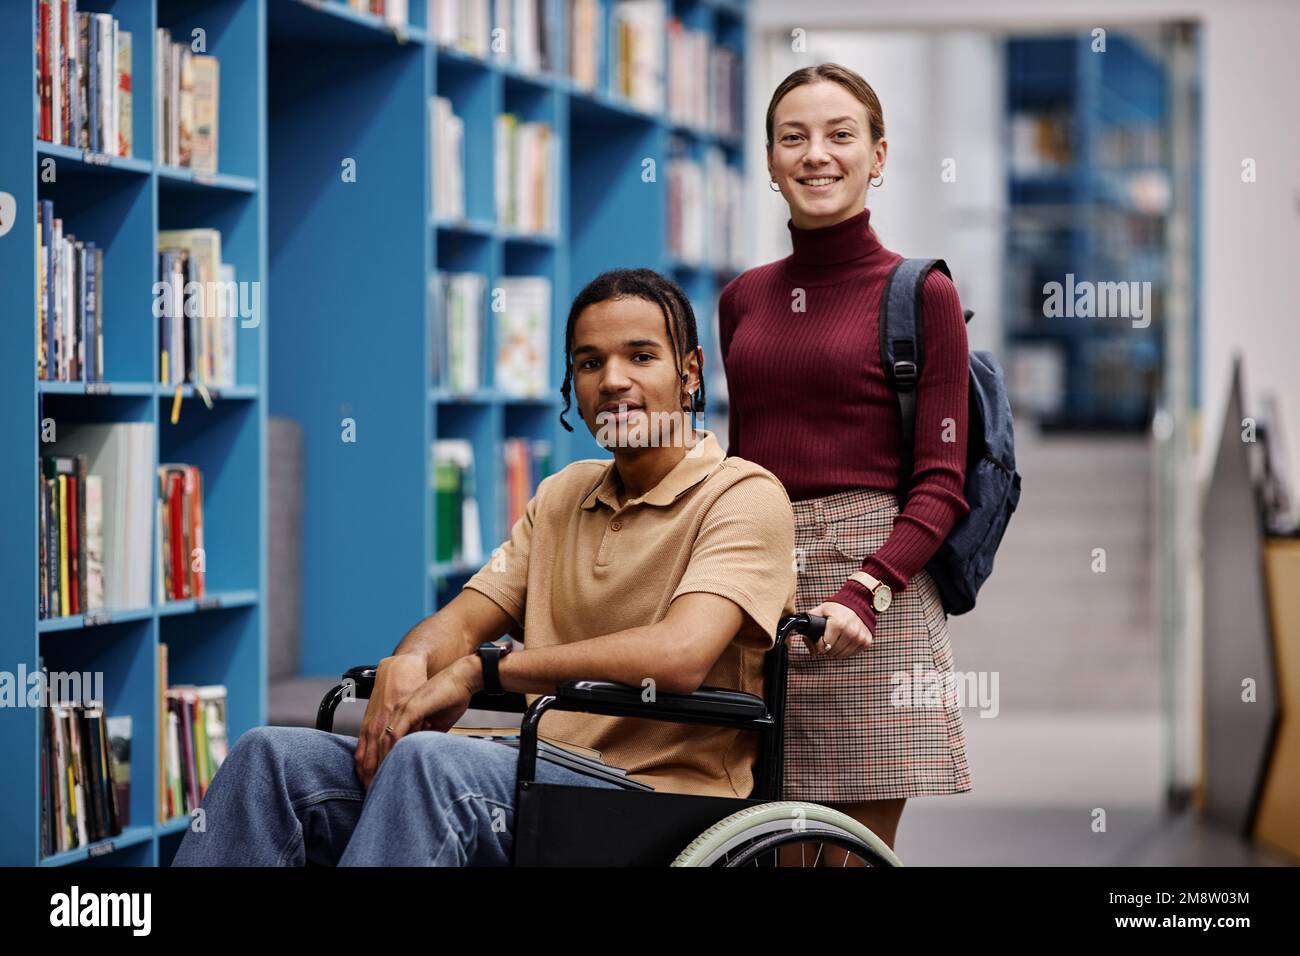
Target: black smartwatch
490, 653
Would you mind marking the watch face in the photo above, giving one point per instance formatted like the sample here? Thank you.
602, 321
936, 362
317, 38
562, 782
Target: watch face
882, 599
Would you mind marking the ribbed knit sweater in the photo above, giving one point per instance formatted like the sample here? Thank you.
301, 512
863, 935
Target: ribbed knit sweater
809, 400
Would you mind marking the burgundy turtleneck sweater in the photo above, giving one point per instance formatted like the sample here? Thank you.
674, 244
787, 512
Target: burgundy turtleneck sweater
810, 402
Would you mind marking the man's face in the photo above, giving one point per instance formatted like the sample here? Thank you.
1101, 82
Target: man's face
624, 367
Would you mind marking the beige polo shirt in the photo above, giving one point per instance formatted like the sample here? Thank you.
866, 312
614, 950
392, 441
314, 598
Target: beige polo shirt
578, 566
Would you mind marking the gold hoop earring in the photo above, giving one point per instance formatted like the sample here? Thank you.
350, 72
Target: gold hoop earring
773, 186
877, 184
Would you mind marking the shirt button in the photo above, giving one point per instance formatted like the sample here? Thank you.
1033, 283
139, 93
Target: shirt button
615, 525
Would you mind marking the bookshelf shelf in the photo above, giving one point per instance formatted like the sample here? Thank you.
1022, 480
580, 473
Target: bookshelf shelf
87, 161
331, 364
305, 86
93, 619
129, 837
178, 177
96, 389
120, 203
174, 825
218, 601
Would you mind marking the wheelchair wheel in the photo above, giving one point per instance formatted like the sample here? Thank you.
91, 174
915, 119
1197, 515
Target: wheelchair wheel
756, 836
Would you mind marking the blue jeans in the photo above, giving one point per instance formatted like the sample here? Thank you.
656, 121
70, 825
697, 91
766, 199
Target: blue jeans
286, 795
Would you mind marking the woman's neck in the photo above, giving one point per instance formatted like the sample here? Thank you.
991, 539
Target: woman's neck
828, 254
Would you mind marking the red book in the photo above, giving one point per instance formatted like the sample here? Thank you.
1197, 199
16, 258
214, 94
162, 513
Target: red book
194, 491
74, 539
63, 69
43, 86
175, 491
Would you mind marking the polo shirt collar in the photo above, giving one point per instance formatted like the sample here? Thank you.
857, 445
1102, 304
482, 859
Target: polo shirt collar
686, 474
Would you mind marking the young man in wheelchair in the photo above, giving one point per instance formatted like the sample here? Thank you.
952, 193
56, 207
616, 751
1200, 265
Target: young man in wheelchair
668, 568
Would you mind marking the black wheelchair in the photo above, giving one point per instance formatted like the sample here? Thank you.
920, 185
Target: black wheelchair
586, 826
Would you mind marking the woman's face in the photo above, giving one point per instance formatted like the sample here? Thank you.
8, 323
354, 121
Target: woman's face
622, 357
822, 154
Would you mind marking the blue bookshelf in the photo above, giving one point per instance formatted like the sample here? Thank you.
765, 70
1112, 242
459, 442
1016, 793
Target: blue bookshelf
345, 269
1079, 216
350, 269
121, 203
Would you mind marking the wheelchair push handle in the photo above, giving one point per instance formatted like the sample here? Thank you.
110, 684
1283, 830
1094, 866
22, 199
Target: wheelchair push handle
811, 626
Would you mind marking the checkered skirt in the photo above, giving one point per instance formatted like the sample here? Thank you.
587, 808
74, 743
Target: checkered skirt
877, 725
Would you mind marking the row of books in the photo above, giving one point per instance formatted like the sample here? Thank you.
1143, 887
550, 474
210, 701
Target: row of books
182, 561
195, 745
527, 461
85, 776
198, 311
637, 52
394, 12
705, 211
96, 512
464, 25
1041, 141
521, 309
83, 79
193, 740
447, 134
457, 533
704, 81
186, 101
527, 161
69, 309
526, 36
71, 552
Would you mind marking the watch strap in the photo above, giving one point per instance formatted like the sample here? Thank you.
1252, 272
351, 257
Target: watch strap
490, 654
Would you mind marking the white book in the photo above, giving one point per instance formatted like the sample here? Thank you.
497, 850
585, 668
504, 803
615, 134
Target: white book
522, 330
206, 72
121, 456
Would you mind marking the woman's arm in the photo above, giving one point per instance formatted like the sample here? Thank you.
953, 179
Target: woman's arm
937, 500
728, 316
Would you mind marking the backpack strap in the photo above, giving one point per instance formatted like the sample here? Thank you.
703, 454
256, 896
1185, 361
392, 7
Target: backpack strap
901, 350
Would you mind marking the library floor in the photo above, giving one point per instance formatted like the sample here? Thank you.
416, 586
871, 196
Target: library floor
1078, 722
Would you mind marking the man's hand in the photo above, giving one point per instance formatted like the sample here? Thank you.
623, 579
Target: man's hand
396, 678
845, 632
436, 705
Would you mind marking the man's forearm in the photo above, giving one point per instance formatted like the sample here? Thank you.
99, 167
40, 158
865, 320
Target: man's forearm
627, 657
439, 639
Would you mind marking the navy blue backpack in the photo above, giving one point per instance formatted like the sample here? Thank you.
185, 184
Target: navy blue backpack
965, 559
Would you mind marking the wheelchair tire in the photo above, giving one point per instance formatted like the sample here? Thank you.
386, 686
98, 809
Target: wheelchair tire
764, 827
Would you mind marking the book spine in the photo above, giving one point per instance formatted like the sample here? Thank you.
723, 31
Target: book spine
123, 119
74, 541
43, 546
43, 65
99, 314
83, 472
52, 546
94, 543
175, 519
93, 140
196, 533
63, 545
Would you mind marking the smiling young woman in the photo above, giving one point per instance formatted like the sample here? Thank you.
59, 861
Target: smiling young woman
810, 402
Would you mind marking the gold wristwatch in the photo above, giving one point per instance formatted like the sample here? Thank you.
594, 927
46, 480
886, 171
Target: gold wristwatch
881, 595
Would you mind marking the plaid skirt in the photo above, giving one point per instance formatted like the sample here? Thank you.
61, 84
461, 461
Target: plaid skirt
884, 723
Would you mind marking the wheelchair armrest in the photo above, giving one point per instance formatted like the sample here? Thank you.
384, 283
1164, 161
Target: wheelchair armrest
358, 683
704, 703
